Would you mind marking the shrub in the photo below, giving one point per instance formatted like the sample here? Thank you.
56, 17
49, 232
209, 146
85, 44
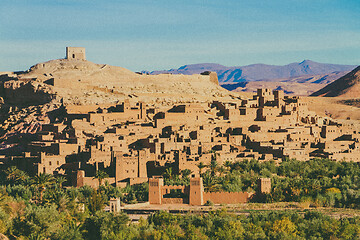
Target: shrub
209, 203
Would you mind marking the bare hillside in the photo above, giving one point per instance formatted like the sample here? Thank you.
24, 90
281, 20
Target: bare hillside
347, 86
82, 82
34, 97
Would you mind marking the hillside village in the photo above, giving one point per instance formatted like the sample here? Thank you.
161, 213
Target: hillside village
181, 120
133, 140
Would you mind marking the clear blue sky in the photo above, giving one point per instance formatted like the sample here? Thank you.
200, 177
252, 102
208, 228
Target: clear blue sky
163, 34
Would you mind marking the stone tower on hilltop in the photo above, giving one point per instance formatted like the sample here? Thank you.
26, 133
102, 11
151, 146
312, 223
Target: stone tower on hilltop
77, 53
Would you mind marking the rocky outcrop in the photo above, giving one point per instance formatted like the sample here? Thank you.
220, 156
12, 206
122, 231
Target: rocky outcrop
26, 98
84, 83
17, 92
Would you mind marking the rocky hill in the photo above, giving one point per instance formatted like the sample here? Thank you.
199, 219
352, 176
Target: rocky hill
29, 98
347, 86
82, 82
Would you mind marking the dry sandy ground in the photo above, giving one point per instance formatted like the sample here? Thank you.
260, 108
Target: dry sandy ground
333, 107
144, 209
291, 88
83, 83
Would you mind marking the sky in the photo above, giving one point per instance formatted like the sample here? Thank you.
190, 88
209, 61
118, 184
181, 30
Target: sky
163, 34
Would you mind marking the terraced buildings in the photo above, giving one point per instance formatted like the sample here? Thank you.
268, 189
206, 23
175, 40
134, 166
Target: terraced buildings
133, 141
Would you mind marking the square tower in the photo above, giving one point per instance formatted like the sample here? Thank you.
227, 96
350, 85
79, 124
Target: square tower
155, 190
196, 196
77, 53
115, 205
264, 185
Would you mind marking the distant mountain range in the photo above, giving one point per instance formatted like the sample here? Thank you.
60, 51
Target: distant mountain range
262, 72
302, 85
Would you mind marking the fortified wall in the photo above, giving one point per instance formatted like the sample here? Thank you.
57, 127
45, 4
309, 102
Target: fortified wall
194, 194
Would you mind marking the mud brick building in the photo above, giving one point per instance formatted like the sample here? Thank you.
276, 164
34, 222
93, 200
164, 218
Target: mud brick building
133, 141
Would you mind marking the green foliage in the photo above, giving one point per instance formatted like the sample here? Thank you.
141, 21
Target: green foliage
170, 178
100, 176
258, 225
322, 181
136, 192
39, 208
70, 230
213, 166
105, 225
168, 173
5, 221
96, 202
175, 193
186, 173
44, 221
19, 192
201, 166
86, 191
42, 181
210, 182
108, 191
176, 180
13, 175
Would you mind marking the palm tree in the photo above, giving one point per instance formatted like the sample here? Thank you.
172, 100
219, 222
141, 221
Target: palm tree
57, 197
168, 173
61, 200
213, 167
100, 176
210, 183
213, 164
4, 201
185, 173
95, 202
222, 170
36, 236
228, 164
201, 165
73, 231
22, 176
42, 181
60, 180
11, 174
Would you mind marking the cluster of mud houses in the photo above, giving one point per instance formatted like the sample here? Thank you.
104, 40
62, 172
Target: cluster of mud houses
134, 141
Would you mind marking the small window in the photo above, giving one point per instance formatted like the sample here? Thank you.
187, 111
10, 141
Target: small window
73, 55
